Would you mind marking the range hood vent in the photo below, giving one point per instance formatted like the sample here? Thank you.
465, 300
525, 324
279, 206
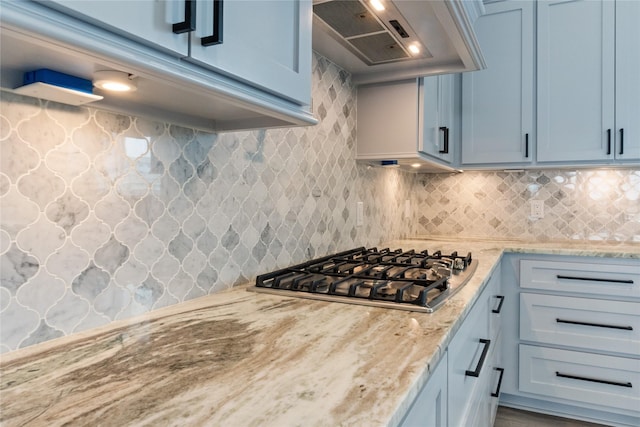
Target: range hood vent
409, 38
375, 39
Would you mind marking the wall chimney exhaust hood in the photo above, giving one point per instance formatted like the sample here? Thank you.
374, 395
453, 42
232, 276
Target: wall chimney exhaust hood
399, 39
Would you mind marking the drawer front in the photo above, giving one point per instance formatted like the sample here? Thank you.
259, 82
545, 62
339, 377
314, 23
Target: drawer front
586, 278
581, 322
592, 379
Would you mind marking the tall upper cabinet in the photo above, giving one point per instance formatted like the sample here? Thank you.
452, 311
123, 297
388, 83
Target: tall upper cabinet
497, 103
588, 85
627, 123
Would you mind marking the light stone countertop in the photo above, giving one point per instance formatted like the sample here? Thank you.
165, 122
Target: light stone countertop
243, 358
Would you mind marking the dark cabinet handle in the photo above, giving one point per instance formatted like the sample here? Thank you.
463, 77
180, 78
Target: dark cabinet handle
593, 380
497, 392
189, 23
499, 309
608, 141
597, 325
621, 141
483, 356
526, 145
216, 36
445, 149
595, 279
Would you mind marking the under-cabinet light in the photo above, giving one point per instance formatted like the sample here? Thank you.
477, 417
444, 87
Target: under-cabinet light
415, 165
377, 5
414, 48
114, 81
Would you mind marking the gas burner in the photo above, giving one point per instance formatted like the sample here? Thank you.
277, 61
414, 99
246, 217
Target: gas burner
416, 281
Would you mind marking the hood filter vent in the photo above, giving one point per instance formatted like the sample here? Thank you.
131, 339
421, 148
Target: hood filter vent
365, 34
379, 48
348, 18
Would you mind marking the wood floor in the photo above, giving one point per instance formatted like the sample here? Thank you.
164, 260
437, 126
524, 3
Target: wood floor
508, 417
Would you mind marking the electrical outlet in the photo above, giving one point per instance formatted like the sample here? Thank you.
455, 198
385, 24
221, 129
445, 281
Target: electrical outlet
359, 214
537, 208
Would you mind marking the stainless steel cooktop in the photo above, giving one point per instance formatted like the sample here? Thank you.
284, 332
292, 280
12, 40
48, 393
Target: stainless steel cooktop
405, 280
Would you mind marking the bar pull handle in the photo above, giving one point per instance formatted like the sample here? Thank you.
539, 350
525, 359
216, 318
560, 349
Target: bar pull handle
189, 23
216, 36
595, 279
608, 142
597, 325
483, 356
593, 380
445, 149
499, 309
526, 145
497, 392
621, 141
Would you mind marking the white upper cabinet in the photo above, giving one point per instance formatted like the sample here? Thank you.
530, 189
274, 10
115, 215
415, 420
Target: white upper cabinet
213, 65
627, 127
438, 128
588, 85
151, 21
265, 43
576, 92
497, 103
393, 118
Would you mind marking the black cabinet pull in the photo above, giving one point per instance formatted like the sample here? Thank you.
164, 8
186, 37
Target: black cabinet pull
445, 149
189, 23
608, 142
593, 380
216, 36
597, 325
595, 279
621, 141
526, 145
497, 392
499, 309
485, 350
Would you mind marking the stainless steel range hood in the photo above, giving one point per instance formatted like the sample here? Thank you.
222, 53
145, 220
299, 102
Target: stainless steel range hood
408, 38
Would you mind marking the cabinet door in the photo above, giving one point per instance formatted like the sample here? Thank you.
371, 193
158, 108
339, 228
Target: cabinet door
150, 22
429, 409
497, 103
468, 353
437, 129
266, 43
627, 81
576, 80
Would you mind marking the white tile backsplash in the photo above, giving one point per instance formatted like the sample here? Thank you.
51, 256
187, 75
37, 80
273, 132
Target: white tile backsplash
104, 216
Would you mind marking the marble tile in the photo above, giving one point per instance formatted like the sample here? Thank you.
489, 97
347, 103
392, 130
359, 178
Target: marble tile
151, 204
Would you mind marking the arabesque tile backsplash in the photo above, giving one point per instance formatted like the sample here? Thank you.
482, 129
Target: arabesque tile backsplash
583, 204
104, 216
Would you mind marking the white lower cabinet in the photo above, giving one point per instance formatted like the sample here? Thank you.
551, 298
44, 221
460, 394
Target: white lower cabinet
430, 406
576, 334
464, 388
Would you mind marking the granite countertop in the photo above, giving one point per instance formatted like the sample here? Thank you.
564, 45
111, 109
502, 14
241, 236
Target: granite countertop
250, 359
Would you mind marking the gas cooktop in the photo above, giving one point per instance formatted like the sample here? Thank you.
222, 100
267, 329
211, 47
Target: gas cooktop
406, 280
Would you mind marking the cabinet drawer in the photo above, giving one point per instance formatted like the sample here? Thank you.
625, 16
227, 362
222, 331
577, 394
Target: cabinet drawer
585, 277
591, 379
581, 322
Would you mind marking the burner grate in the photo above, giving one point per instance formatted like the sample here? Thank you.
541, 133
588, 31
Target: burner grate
411, 280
